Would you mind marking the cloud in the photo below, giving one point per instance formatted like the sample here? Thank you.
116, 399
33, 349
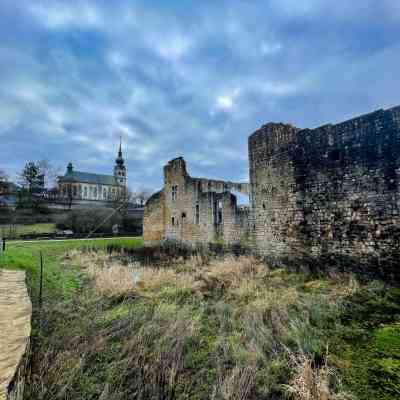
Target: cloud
267, 49
66, 15
226, 102
177, 80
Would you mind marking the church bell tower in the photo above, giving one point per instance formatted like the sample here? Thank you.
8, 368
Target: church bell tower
120, 169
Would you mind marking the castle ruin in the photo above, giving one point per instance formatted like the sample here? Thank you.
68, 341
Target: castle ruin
195, 210
329, 193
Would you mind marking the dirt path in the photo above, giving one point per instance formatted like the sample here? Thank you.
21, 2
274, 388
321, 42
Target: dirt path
15, 325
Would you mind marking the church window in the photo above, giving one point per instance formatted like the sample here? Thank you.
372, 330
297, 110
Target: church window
75, 191
104, 193
85, 192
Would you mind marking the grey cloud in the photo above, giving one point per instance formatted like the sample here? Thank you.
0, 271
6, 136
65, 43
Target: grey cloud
178, 80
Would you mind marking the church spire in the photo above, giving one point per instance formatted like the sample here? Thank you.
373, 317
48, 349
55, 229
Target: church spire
120, 160
119, 168
120, 147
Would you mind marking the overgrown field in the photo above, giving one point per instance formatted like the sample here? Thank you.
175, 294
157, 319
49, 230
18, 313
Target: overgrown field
211, 328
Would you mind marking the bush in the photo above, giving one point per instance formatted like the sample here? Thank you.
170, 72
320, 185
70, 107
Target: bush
87, 221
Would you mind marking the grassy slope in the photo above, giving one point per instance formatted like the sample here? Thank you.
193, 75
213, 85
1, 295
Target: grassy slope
194, 333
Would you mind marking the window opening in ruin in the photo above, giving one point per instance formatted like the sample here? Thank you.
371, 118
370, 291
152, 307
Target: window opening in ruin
197, 214
198, 189
335, 155
174, 192
264, 206
219, 213
183, 215
173, 221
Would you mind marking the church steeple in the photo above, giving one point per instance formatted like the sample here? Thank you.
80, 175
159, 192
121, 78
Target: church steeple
120, 160
120, 169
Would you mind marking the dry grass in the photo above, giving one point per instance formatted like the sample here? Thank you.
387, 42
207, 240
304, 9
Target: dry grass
112, 278
252, 319
312, 383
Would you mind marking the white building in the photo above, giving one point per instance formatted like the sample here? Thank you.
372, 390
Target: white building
87, 186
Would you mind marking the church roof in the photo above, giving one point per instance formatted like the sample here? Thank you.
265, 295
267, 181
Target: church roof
87, 177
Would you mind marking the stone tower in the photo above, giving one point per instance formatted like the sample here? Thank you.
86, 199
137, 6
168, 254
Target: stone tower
119, 168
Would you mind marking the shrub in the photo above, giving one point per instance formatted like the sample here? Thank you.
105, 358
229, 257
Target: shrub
90, 220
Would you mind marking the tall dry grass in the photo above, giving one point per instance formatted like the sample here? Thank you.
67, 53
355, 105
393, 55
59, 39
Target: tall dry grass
261, 319
112, 278
314, 383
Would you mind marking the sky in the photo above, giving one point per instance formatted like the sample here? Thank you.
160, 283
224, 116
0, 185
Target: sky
184, 78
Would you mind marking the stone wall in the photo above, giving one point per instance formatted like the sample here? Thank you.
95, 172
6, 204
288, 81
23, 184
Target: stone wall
154, 219
15, 330
195, 210
329, 194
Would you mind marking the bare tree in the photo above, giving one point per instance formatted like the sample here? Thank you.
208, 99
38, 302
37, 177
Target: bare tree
140, 197
121, 199
49, 172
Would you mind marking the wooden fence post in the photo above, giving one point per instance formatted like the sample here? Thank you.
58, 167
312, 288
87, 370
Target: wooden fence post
41, 280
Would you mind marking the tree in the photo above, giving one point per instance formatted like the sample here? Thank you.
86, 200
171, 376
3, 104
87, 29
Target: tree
140, 197
32, 182
30, 177
49, 172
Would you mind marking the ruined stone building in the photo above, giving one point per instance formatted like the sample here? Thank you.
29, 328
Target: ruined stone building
330, 192
195, 210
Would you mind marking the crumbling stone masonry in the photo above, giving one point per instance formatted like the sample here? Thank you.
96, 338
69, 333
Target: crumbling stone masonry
195, 210
329, 194
320, 196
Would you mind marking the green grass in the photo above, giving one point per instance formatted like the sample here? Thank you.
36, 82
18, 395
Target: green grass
369, 343
58, 280
21, 230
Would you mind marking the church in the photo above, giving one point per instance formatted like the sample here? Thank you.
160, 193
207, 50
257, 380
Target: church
76, 186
